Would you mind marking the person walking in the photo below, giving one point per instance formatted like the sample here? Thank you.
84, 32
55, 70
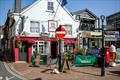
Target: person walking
113, 52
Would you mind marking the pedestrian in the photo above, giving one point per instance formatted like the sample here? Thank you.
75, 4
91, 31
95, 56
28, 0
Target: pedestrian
113, 52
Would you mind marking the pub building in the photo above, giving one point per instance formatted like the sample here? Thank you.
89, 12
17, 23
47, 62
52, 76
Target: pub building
32, 29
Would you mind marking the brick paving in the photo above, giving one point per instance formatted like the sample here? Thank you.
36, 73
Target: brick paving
76, 73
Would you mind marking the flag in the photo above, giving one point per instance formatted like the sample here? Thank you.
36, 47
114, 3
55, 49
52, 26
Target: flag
63, 2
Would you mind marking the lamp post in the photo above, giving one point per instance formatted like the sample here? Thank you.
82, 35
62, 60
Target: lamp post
103, 52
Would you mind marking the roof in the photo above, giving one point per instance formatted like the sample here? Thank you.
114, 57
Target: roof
85, 10
1, 27
25, 7
30, 6
117, 13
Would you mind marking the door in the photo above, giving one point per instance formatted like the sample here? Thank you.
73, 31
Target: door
54, 49
23, 52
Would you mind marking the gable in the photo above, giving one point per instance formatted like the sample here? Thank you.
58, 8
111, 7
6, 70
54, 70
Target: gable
40, 6
85, 13
39, 12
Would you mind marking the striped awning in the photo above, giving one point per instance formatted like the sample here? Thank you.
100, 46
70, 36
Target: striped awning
70, 40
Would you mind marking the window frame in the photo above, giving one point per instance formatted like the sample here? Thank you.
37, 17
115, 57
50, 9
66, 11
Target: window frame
32, 29
50, 6
71, 32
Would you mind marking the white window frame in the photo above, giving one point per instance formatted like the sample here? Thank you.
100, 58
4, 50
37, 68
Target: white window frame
50, 6
32, 28
38, 46
68, 30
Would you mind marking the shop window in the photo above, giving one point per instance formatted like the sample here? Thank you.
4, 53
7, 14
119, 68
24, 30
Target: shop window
67, 47
38, 46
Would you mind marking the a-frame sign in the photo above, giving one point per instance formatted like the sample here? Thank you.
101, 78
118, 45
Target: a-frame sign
65, 63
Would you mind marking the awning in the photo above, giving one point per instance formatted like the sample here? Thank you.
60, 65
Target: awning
70, 40
53, 39
30, 40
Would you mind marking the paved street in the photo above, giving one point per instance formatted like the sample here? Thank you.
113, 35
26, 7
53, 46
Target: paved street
76, 73
5, 75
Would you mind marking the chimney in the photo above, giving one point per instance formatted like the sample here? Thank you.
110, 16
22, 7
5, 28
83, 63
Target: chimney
17, 6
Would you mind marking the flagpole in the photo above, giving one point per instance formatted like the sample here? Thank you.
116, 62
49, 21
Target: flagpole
62, 3
56, 11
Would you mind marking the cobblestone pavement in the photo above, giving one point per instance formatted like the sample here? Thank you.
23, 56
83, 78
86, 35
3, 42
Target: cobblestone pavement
76, 73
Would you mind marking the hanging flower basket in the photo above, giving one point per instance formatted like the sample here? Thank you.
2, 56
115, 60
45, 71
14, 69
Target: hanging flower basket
19, 44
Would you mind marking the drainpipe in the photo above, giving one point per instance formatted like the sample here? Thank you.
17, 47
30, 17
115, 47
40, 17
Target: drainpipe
22, 20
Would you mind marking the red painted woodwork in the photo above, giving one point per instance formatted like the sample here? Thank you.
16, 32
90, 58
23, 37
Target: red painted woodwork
16, 54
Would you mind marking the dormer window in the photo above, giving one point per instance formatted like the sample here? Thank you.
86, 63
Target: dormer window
50, 6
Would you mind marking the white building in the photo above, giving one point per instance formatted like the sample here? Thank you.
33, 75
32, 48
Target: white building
35, 27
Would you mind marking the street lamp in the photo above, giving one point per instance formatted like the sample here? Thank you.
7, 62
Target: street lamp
102, 17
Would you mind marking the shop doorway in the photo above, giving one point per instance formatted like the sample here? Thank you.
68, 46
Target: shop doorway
23, 52
54, 49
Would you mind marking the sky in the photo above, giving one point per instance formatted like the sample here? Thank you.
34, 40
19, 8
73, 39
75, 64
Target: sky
98, 7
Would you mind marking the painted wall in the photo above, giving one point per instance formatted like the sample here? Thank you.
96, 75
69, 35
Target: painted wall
38, 12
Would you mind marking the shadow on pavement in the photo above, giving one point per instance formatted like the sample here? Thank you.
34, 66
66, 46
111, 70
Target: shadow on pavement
85, 72
115, 73
46, 70
37, 79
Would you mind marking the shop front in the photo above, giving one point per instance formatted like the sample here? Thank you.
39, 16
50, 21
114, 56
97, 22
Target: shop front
25, 47
70, 43
90, 39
